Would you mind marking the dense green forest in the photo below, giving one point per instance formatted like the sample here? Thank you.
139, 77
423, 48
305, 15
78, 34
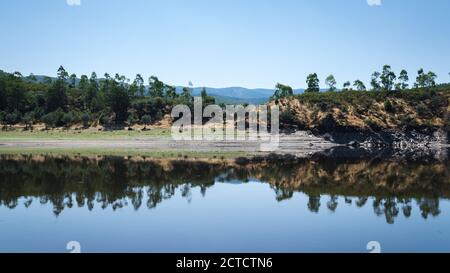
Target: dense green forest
68, 100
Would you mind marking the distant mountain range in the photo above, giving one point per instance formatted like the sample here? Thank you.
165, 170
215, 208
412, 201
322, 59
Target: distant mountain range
236, 95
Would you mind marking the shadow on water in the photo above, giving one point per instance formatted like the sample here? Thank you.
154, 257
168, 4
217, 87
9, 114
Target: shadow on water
392, 185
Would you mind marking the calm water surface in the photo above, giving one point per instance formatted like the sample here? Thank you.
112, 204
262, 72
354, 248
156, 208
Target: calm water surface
322, 204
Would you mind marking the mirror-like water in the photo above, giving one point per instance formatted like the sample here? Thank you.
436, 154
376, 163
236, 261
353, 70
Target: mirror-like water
320, 204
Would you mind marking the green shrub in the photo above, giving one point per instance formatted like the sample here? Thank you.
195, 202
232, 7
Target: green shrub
159, 115
388, 106
422, 110
52, 119
2, 116
369, 122
67, 119
12, 118
132, 119
146, 119
105, 119
85, 118
28, 118
38, 113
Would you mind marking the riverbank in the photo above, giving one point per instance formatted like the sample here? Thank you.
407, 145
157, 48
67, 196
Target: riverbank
154, 143
157, 143
92, 133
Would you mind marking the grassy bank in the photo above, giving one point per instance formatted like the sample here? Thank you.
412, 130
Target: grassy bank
88, 134
93, 135
182, 154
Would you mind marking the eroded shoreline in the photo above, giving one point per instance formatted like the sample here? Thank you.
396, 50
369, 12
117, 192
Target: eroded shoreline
159, 144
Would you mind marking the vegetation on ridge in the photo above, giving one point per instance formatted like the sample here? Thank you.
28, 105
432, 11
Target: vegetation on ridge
389, 104
68, 100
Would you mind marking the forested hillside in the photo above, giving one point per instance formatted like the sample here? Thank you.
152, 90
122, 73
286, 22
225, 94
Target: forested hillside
390, 102
68, 100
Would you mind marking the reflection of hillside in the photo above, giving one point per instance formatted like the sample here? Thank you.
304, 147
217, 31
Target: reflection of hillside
360, 177
116, 182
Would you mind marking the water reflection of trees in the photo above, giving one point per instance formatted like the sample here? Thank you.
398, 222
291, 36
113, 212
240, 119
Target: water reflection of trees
392, 187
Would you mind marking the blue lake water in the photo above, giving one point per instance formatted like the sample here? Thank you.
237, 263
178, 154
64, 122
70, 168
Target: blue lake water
114, 205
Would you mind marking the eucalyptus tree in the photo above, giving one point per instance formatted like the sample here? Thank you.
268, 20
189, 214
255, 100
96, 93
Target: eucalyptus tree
92, 90
282, 91
387, 78
347, 86
118, 98
73, 80
156, 87
313, 83
403, 80
137, 88
84, 83
359, 85
186, 94
431, 79
425, 79
62, 74
330, 81
56, 96
375, 81
170, 92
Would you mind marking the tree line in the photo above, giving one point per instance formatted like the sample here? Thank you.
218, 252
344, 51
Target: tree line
68, 100
111, 100
386, 80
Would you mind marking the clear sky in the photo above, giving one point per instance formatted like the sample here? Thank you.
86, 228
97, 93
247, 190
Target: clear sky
220, 43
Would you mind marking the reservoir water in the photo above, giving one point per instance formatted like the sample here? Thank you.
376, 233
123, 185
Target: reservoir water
319, 204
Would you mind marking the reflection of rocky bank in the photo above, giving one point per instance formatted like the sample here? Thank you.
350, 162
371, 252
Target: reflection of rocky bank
391, 185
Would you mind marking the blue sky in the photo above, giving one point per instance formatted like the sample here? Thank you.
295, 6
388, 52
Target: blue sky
219, 43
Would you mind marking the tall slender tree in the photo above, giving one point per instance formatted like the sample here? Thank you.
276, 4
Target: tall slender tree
118, 99
359, 85
171, 92
186, 94
84, 83
90, 97
313, 83
425, 79
375, 81
73, 80
62, 74
141, 87
156, 87
282, 91
330, 81
347, 86
431, 79
403, 80
57, 97
421, 79
387, 78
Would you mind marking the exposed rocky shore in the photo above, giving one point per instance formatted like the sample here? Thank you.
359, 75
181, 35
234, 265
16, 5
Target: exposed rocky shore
388, 138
